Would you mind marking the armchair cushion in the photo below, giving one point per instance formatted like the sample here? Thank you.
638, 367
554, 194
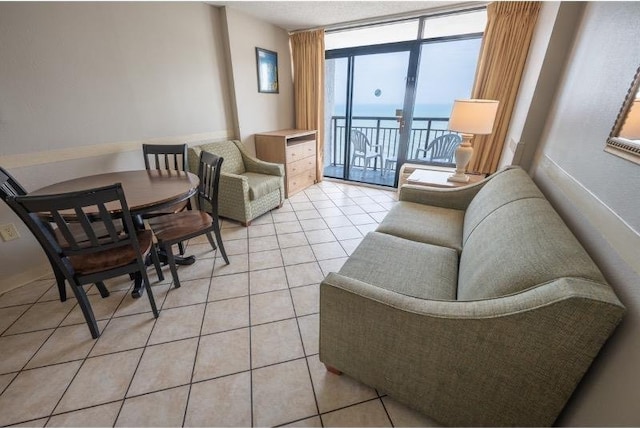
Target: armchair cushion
261, 184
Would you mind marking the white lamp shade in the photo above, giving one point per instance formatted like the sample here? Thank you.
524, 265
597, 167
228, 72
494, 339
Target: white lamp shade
631, 127
473, 116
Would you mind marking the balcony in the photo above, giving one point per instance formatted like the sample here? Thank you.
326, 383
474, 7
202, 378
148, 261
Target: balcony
384, 131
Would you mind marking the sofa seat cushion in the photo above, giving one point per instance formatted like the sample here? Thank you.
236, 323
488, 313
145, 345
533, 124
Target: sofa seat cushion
407, 267
261, 184
425, 223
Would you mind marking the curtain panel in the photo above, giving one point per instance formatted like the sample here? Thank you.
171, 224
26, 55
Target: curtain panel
307, 52
504, 51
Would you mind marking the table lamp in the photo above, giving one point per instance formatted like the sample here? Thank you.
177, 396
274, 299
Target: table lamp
631, 128
469, 118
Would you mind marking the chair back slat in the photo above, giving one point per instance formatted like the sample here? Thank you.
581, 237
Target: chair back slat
359, 141
209, 169
105, 216
87, 228
170, 157
66, 209
62, 225
444, 147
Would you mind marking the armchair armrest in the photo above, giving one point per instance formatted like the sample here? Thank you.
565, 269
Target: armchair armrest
262, 167
234, 183
252, 164
469, 363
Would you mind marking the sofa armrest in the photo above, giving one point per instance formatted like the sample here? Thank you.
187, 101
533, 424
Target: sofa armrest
513, 360
457, 198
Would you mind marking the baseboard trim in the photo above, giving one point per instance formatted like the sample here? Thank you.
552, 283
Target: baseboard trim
25, 277
623, 238
70, 153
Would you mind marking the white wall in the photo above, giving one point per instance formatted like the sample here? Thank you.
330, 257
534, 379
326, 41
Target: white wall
257, 112
597, 195
83, 84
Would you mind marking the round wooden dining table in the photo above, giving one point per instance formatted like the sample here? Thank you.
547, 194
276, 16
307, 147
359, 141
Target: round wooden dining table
144, 190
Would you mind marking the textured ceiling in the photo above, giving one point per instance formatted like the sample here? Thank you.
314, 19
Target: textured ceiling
298, 15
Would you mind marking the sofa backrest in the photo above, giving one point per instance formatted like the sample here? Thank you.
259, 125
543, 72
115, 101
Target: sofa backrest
504, 187
228, 150
514, 240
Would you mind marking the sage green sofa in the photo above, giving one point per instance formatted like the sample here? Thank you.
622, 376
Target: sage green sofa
476, 306
249, 187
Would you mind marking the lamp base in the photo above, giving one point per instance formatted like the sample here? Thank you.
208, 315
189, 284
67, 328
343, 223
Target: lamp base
463, 155
458, 178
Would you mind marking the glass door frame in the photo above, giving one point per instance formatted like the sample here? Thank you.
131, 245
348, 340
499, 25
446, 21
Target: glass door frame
414, 48
350, 54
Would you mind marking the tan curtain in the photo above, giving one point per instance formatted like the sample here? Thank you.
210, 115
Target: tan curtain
503, 55
307, 51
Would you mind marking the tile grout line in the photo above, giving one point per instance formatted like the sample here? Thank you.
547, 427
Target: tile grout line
252, 417
304, 350
84, 360
385, 409
195, 357
155, 322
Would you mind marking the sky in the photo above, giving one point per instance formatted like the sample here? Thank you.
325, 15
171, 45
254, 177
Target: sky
446, 73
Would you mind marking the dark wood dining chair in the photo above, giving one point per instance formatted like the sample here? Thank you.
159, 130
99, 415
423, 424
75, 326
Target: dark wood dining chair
90, 256
167, 157
9, 187
174, 228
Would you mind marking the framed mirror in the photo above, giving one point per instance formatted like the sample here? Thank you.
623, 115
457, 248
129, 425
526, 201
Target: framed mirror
624, 140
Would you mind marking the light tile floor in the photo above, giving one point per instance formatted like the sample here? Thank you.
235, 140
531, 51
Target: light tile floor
236, 345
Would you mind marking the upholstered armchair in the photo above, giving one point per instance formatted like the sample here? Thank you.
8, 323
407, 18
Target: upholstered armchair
249, 187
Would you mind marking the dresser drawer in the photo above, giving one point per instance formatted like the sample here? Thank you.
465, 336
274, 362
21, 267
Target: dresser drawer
299, 166
295, 183
300, 150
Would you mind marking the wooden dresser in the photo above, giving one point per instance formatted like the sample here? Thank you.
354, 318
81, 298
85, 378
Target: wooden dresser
294, 148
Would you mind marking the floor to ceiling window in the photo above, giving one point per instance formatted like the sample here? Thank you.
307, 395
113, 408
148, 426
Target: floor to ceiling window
389, 92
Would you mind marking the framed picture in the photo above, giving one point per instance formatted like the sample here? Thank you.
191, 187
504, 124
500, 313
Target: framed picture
267, 62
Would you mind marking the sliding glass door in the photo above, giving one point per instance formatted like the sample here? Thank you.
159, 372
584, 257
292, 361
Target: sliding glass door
445, 73
388, 104
364, 93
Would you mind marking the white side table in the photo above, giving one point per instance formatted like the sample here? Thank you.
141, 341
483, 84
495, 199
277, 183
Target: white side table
434, 178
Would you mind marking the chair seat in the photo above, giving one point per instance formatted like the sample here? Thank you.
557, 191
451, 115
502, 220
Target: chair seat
261, 184
110, 259
372, 153
175, 227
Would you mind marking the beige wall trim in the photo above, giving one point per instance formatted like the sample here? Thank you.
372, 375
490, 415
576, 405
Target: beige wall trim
50, 156
619, 234
25, 277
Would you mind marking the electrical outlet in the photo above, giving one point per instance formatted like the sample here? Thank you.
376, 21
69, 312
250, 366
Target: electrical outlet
9, 232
